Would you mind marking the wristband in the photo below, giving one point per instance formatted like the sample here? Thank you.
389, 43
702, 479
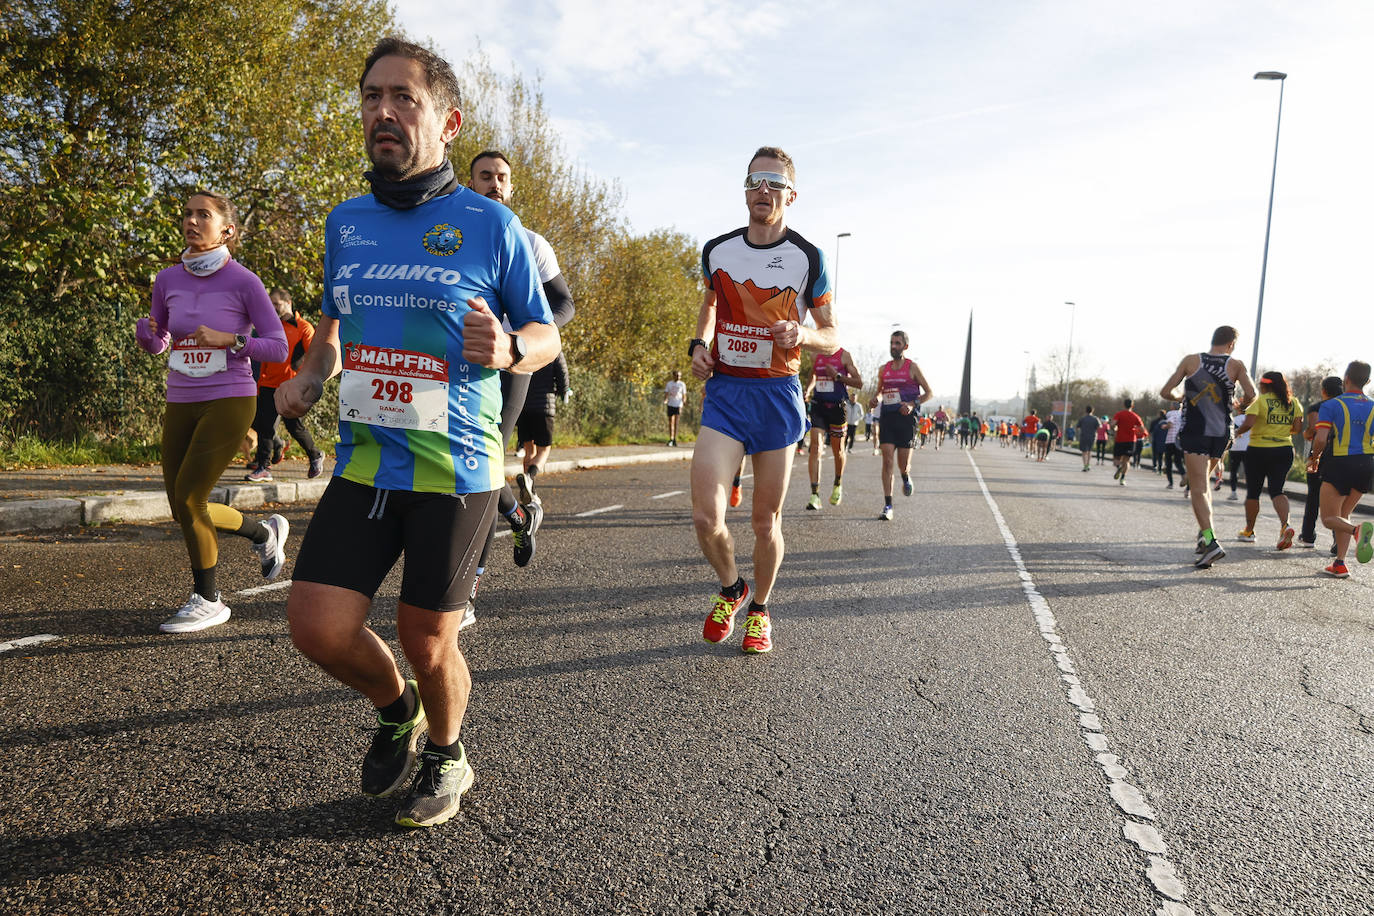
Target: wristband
692, 345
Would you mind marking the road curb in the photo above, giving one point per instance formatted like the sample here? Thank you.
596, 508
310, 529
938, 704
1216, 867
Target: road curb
40, 513
151, 505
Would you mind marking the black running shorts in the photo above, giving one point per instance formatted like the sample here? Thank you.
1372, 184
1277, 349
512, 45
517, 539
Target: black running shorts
897, 428
1123, 449
829, 415
1349, 472
1211, 446
358, 532
536, 426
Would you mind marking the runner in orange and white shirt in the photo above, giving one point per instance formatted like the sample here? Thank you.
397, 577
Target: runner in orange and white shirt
762, 282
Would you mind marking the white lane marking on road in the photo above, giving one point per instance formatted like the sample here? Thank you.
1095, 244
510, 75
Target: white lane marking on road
1160, 871
503, 533
669, 493
27, 641
260, 589
598, 511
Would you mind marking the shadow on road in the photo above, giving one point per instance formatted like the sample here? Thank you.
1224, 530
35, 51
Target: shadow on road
30, 858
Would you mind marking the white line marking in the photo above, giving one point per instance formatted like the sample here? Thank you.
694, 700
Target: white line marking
669, 493
27, 641
503, 533
1131, 801
260, 589
598, 511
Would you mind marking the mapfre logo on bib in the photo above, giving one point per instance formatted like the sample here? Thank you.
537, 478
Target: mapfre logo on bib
442, 240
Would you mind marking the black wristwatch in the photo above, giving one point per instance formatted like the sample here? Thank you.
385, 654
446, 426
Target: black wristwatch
517, 349
239, 343
692, 345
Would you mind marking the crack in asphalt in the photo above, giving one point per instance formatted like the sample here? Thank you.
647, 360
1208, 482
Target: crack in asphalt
917, 683
1363, 723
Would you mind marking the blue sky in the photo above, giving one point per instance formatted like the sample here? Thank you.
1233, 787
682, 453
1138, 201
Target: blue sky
1000, 158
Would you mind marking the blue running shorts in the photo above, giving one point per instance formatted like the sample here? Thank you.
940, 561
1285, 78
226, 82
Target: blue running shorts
763, 413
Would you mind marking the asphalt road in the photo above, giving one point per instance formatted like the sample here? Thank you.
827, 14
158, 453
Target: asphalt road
962, 707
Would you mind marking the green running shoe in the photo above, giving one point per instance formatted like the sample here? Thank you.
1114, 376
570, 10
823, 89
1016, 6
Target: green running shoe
391, 758
1364, 549
814, 502
438, 789
836, 495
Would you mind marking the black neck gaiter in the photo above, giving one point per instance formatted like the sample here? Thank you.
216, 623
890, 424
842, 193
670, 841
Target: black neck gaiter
409, 193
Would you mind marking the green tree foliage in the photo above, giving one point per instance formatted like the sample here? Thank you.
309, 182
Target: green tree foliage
636, 321
110, 113
636, 295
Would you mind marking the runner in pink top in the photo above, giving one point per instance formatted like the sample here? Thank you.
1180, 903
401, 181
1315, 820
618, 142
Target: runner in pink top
204, 308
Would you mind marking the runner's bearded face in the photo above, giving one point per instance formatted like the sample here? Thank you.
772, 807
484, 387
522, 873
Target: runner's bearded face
767, 205
402, 125
491, 178
897, 348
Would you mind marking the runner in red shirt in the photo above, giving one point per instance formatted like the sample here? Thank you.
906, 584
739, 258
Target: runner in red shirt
1128, 428
1029, 426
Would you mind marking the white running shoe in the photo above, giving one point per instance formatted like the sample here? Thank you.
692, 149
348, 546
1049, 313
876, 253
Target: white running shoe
886, 514
469, 617
272, 551
197, 614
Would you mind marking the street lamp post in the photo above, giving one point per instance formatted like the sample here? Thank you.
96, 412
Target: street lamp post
1068, 366
838, 236
1025, 379
1269, 219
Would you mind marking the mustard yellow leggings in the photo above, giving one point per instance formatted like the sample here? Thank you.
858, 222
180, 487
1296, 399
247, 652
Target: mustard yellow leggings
198, 442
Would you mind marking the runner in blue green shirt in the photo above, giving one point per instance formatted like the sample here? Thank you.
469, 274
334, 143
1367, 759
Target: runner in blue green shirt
418, 277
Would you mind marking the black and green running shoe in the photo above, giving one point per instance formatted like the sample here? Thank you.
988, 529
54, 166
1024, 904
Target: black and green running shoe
438, 789
523, 535
391, 758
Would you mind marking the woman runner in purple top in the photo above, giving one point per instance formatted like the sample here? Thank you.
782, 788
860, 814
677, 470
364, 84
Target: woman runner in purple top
204, 308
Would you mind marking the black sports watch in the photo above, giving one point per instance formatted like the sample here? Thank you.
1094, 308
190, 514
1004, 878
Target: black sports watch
517, 349
239, 343
692, 345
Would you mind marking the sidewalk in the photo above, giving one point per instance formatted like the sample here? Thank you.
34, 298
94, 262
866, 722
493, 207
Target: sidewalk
42, 498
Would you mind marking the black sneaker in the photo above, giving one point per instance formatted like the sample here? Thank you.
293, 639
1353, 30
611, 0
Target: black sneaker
1213, 551
438, 789
278, 449
526, 492
523, 535
391, 758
